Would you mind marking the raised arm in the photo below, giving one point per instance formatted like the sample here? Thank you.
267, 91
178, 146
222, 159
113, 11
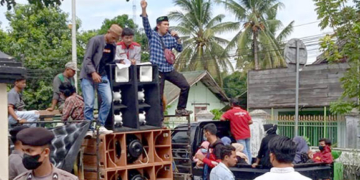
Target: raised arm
146, 23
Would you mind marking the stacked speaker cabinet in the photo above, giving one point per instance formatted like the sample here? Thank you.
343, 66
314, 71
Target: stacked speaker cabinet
130, 155
136, 98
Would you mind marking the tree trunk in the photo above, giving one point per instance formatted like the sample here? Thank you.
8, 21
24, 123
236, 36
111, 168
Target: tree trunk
255, 50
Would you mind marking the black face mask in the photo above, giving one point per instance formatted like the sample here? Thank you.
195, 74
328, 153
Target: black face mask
31, 162
321, 148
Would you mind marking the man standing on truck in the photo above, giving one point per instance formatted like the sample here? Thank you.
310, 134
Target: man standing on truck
239, 125
282, 154
213, 157
228, 159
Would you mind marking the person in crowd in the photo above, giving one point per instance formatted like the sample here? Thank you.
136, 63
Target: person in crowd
100, 51
74, 103
228, 159
160, 40
16, 105
213, 157
226, 140
302, 150
263, 157
16, 166
65, 77
204, 148
282, 154
36, 146
127, 48
240, 121
240, 155
324, 155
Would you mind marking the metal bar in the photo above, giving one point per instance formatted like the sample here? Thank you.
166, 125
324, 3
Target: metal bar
189, 146
325, 122
297, 89
97, 149
73, 42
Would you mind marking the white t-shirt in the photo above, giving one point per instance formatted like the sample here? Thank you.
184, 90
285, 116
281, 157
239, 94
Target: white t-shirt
282, 174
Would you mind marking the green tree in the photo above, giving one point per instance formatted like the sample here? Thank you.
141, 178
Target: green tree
41, 39
3, 39
202, 45
256, 40
342, 44
235, 84
38, 3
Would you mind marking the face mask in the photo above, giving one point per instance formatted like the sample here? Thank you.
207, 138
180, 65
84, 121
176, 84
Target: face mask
321, 148
31, 162
203, 150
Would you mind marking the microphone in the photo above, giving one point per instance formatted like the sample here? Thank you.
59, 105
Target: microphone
176, 36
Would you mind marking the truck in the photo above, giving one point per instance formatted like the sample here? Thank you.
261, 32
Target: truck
187, 138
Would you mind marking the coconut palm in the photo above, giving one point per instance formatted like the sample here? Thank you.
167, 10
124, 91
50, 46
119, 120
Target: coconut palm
202, 46
256, 39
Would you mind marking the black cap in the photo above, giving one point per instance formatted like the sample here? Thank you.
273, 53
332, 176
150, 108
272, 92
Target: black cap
14, 131
161, 19
35, 136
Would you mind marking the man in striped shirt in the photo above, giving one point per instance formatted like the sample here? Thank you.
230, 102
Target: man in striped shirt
157, 38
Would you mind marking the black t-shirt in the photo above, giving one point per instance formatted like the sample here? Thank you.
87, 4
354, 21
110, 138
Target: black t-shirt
108, 57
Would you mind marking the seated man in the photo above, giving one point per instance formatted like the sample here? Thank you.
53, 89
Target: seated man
16, 166
228, 159
127, 48
324, 156
74, 104
16, 105
282, 154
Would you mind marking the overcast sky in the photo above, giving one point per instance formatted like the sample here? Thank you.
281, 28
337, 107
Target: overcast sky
93, 12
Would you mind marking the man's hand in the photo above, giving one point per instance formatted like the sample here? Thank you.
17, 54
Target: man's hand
200, 157
50, 109
143, 4
133, 61
174, 34
96, 78
254, 165
22, 121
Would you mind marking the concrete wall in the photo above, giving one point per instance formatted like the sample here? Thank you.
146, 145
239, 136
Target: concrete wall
4, 141
199, 93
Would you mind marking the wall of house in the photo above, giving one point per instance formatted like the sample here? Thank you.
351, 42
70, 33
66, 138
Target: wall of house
199, 93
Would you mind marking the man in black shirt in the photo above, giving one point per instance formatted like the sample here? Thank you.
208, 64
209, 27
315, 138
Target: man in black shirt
99, 52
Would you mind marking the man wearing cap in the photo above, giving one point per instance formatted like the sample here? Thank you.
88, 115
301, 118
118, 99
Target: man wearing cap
16, 166
100, 51
36, 146
16, 105
64, 77
159, 40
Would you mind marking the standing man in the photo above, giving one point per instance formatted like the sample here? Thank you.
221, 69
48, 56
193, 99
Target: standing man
16, 105
127, 48
282, 154
239, 125
159, 40
16, 166
228, 159
36, 145
65, 77
100, 51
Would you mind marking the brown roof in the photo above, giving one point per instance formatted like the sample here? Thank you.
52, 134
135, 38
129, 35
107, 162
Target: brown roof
172, 92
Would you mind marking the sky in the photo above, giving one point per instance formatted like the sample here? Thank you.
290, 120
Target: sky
93, 12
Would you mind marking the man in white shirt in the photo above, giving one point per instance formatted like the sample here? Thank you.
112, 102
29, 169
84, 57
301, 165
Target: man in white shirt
228, 159
282, 153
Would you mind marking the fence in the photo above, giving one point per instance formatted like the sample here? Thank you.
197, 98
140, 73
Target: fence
312, 127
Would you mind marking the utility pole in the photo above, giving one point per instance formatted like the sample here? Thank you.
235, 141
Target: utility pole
73, 32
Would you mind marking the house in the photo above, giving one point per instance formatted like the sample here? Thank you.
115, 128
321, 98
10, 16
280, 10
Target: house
205, 93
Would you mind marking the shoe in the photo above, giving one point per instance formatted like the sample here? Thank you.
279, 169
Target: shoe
182, 112
103, 130
89, 134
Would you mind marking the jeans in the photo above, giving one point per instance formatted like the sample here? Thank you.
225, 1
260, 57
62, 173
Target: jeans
30, 116
104, 90
178, 80
246, 144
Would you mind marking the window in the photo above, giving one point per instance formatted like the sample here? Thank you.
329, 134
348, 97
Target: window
198, 109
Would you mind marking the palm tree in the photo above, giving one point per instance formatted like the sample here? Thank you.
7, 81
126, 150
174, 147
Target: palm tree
257, 38
203, 47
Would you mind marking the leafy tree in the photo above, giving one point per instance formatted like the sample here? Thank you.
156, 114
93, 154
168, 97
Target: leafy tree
38, 3
342, 44
235, 84
202, 45
256, 40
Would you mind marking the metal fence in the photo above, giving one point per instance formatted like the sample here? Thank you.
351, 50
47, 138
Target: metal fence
312, 127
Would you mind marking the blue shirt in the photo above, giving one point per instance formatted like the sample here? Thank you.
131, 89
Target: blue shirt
221, 172
157, 55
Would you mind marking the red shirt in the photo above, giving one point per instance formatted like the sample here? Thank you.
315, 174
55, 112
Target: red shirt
239, 122
74, 108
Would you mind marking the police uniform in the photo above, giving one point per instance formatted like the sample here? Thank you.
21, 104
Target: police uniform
16, 166
40, 137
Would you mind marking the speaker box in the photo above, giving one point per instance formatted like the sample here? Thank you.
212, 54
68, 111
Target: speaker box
121, 75
146, 73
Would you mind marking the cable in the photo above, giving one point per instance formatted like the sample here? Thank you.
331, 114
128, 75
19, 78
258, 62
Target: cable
147, 157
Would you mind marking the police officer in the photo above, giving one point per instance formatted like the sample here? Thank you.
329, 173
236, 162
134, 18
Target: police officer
36, 147
16, 166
